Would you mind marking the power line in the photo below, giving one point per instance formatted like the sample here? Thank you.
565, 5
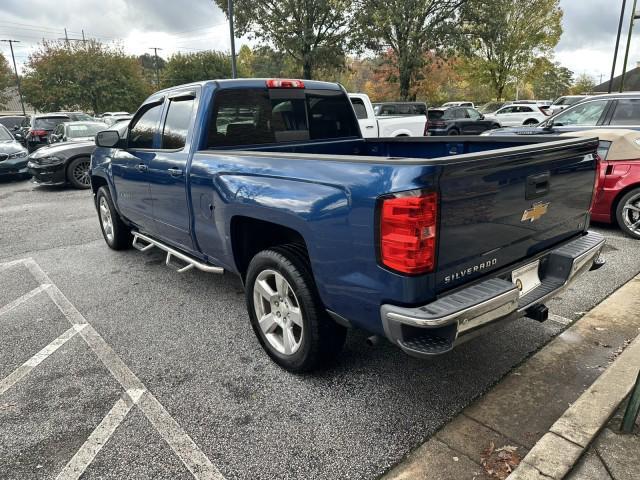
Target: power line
15, 69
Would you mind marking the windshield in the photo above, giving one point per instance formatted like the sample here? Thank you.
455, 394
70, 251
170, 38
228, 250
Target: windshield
48, 123
490, 107
4, 134
84, 129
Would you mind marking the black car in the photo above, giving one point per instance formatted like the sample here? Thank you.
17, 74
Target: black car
457, 121
12, 122
13, 156
615, 110
399, 108
37, 129
67, 162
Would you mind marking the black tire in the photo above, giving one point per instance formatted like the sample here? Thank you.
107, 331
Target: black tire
495, 125
453, 131
120, 239
79, 172
623, 218
321, 338
530, 122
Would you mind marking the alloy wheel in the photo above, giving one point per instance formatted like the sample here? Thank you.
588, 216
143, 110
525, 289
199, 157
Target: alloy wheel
81, 173
278, 312
106, 219
631, 214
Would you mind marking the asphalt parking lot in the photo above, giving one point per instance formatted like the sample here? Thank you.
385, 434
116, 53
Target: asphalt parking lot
162, 371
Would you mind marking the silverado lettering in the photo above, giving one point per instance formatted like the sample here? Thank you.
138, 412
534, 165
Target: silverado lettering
272, 181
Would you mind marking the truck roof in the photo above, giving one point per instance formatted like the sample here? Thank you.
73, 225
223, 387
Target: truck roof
252, 83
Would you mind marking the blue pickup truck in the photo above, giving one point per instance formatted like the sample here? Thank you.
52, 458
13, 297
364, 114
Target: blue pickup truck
424, 241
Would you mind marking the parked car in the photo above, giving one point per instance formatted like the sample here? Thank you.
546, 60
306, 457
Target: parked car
76, 131
518, 114
458, 104
373, 126
13, 156
616, 110
491, 107
12, 122
111, 114
36, 129
564, 102
458, 121
399, 108
617, 198
67, 162
399, 236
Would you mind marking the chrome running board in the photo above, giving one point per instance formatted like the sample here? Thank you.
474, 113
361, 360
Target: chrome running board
171, 252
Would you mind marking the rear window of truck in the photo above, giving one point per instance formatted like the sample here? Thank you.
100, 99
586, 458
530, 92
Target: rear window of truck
262, 116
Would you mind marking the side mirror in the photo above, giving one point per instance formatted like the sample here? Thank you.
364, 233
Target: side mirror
548, 127
107, 139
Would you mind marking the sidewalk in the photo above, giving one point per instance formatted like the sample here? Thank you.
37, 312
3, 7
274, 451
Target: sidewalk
613, 455
494, 435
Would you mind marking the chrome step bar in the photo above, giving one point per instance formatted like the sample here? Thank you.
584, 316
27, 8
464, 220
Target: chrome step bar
171, 252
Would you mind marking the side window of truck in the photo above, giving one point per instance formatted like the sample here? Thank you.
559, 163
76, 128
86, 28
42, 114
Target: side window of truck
358, 106
176, 125
142, 131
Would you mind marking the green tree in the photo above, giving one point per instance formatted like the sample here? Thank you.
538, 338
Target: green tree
549, 80
6, 80
502, 37
194, 67
584, 84
313, 32
265, 62
88, 76
409, 28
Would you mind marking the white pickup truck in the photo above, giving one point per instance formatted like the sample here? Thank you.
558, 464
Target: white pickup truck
388, 126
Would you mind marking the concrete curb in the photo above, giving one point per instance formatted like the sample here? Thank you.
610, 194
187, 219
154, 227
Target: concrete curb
555, 454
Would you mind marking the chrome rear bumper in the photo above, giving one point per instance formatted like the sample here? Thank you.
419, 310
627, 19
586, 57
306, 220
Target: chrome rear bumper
437, 327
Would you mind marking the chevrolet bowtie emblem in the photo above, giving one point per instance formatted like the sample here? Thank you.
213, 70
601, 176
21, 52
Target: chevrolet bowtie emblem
535, 212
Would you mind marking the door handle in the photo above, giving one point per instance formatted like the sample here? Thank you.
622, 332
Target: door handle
369, 126
537, 185
142, 168
175, 172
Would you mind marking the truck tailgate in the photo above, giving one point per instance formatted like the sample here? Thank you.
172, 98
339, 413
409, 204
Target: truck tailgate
503, 207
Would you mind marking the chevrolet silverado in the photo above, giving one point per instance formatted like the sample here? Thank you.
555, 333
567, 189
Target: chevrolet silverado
425, 241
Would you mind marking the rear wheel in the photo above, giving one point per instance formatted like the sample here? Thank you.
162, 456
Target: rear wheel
286, 313
628, 213
114, 230
78, 173
531, 122
453, 131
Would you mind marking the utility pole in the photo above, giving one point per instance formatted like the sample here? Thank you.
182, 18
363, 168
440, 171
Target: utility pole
615, 52
157, 64
234, 70
15, 69
66, 37
634, 15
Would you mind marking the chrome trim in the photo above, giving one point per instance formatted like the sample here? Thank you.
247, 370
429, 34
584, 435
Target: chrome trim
171, 252
491, 305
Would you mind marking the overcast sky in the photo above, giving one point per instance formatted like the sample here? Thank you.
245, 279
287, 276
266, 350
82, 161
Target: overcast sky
189, 25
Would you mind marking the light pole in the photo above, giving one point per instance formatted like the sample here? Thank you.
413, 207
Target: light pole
157, 64
634, 16
15, 69
234, 70
615, 52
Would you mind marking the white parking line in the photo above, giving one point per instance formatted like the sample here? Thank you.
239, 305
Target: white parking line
83, 457
27, 296
38, 358
180, 442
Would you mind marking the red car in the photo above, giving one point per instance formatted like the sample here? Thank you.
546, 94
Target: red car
618, 190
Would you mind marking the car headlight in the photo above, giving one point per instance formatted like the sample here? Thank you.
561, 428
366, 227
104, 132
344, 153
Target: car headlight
21, 154
50, 160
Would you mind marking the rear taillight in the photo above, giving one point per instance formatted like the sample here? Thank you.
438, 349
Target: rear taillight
598, 182
284, 83
39, 133
408, 230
